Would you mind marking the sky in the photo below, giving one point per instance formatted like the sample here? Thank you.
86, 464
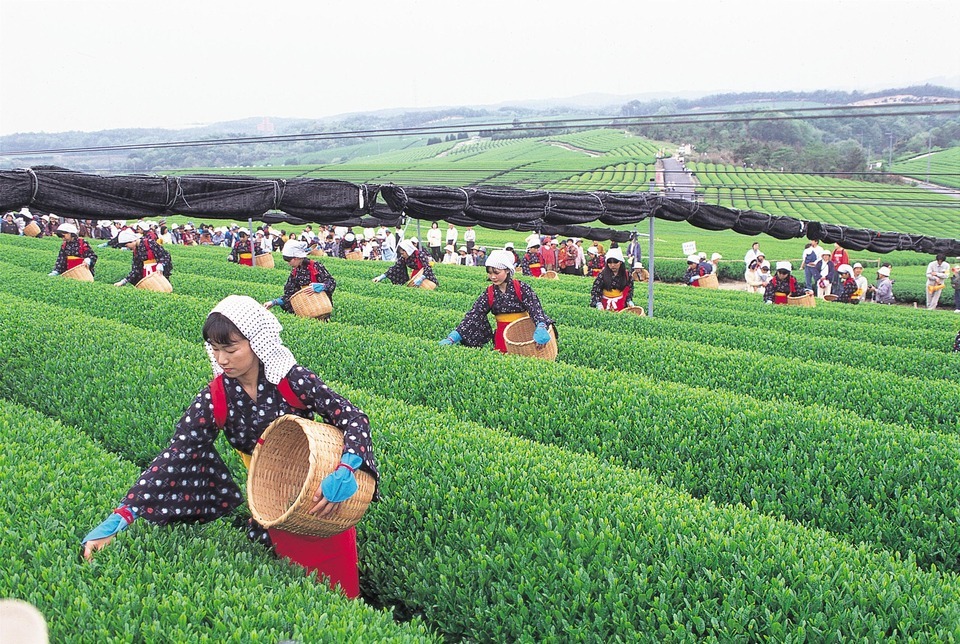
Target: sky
90, 65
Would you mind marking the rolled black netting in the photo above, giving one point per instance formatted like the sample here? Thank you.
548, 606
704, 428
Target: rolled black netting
225, 197
91, 196
506, 205
425, 202
16, 188
573, 208
322, 200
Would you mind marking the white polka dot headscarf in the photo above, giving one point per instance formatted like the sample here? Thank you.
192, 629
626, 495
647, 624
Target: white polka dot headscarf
502, 259
262, 329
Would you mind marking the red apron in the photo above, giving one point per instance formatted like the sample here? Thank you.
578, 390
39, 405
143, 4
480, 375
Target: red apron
72, 260
614, 300
150, 263
503, 319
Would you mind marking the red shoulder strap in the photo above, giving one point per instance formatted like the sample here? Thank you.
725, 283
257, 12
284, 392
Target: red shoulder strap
146, 245
287, 392
82, 246
490, 296
218, 396
313, 270
516, 289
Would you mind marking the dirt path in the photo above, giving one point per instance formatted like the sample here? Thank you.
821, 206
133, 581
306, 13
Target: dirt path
573, 148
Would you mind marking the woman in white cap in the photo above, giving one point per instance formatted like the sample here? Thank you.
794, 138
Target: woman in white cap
148, 257
595, 264
73, 251
433, 241
883, 291
613, 288
694, 272
409, 257
530, 263
509, 300
8, 226
782, 286
752, 277
348, 244
304, 272
464, 258
826, 272
848, 285
243, 249
256, 380
449, 255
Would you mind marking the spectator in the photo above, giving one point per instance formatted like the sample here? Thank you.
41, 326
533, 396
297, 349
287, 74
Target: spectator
463, 257
433, 242
595, 263
548, 254
715, 263
568, 258
861, 280
509, 247
765, 275
955, 283
470, 238
883, 291
452, 235
752, 254
479, 256
449, 257
581, 260
9, 226
937, 271
634, 253
827, 273
752, 277
811, 264
838, 257
848, 285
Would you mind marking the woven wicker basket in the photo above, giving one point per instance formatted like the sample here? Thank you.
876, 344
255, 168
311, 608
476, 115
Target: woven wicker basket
830, 298
31, 229
425, 284
264, 261
308, 304
156, 282
295, 455
80, 272
933, 288
635, 310
709, 281
354, 255
518, 336
803, 300
550, 275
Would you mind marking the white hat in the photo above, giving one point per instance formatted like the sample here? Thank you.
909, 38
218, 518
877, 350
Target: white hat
532, 243
508, 245
784, 266
765, 264
614, 254
448, 248
463, 249
702, 255
826, 251
884, 270
349, 237
68, 228
22, 622
844, 268
715, 257
25, 212
858, 265
693, 259
126, 236
407, 246
294, 248
593, 250
502, 259
261, 328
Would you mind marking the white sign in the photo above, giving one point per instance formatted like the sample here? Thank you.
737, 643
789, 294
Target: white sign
689, 248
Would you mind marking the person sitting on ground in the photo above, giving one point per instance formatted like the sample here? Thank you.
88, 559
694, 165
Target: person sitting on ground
783, 285
304, 272
752, 277
764, 273
530, 262
9, 226
73, 251
148, 257
509, 300
862, 284
848, 285
449, 256
826, 271
464, 258
410, 257
613, 287
883, 291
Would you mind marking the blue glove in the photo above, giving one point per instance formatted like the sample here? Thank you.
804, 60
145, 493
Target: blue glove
113, 524
317, 287
453, 338
418, 281
52, 274
540, 336
278, 301
629, 302
341, 484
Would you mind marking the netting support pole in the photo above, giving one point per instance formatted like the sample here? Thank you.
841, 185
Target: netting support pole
650, 260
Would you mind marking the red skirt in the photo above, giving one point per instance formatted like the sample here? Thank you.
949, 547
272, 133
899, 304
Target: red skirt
332, 557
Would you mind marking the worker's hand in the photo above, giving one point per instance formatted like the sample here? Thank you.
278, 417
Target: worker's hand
453, 338
337, 486
379, 278
317, 287
88, 261
104, 533
52, 274
541, 336
418, 281
268, 304
599, 306
629, 302
122, 282
159, 268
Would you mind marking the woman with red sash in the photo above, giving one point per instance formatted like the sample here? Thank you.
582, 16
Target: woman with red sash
243, 249
848, 285
782, 286
256, 381
148, 257
595, 263
508, 299
73, 251
613, 288
304, 272
409, 256
530, 262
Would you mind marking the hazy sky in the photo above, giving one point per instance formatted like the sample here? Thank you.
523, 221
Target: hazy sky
89, 65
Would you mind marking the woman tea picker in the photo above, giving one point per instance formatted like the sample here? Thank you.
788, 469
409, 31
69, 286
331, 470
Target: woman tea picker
257, 380
305, 272
508, 299
409, 257
782, 286
148, 257
613, 288
73, 251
